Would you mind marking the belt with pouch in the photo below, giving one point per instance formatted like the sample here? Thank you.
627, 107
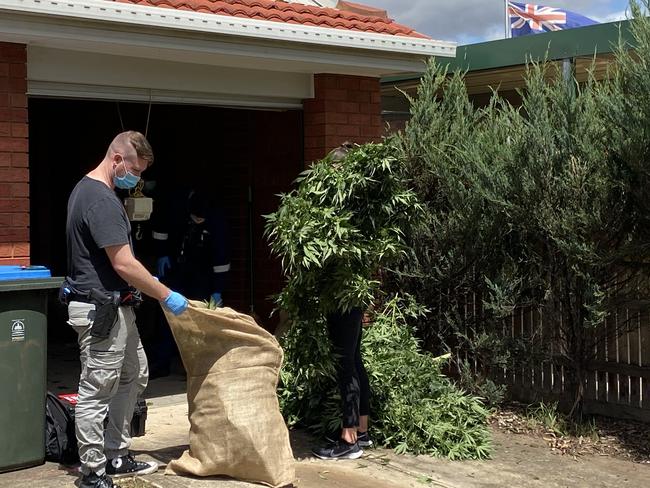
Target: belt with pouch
106, 305
125, 298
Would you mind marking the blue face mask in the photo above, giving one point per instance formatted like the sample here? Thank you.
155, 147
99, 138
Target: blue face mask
126, 182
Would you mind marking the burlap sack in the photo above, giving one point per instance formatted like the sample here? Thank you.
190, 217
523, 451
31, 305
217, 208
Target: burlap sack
232, 369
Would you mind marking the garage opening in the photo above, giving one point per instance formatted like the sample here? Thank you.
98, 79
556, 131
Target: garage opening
245, 156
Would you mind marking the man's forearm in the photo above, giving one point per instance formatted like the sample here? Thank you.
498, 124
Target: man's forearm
136, 275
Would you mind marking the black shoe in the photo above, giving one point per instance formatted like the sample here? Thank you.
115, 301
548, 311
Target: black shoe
127, 466
363, 439
339, 450
93, 481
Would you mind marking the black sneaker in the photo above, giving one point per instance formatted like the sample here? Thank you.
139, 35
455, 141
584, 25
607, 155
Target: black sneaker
127, 466
93, 481
339, 450
363, 439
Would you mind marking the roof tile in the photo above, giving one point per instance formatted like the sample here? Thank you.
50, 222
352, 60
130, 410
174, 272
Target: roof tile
294, 13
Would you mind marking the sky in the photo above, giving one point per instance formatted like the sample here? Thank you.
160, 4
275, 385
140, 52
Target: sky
470, 21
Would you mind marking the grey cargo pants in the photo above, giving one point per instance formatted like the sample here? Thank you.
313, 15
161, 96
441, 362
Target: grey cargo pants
114, 372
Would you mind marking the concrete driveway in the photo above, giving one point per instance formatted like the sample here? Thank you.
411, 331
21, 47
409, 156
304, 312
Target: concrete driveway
518, 461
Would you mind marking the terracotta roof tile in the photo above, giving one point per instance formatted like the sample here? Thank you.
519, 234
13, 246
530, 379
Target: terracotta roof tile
362, 9
294, 13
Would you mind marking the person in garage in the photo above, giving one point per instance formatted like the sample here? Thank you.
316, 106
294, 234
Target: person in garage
191, 242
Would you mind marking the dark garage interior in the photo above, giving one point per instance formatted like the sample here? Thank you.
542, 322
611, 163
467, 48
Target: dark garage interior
243, 157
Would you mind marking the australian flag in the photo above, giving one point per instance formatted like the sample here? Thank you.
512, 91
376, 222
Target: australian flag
528, 18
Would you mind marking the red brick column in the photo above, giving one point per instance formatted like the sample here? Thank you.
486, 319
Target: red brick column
14, 164
344, 108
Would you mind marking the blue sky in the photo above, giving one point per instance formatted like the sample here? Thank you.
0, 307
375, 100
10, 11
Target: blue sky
469, 21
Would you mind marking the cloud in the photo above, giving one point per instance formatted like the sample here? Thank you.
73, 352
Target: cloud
613, 16
475, 20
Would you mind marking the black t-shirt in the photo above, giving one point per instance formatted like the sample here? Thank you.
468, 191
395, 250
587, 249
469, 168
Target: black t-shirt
96, 220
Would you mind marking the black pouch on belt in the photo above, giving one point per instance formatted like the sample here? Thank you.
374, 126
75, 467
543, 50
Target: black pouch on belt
105, 313
65, 291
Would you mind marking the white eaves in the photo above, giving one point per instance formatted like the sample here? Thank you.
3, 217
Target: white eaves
184, 20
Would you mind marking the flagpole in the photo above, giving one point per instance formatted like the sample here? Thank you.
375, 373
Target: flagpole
507, 19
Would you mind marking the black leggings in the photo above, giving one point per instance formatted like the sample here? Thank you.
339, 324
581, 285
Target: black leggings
345, 333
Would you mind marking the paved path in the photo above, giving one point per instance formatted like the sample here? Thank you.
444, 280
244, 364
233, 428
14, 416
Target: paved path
518, 461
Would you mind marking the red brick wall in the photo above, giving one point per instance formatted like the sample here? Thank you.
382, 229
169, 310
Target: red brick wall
14, 167
344, 108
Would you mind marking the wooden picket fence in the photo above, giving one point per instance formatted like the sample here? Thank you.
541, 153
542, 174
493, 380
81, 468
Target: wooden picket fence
618, 379
618, 383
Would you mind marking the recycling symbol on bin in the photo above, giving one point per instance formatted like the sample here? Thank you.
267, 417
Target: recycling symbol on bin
17, 330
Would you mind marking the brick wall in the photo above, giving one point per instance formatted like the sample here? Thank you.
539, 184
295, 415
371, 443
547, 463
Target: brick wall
344, 108
14, 166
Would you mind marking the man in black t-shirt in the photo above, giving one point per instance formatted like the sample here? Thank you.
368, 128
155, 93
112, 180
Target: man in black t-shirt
103, 279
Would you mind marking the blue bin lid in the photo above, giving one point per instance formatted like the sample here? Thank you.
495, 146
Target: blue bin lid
11, 272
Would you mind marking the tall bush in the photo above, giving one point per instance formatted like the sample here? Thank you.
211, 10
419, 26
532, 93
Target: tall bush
542, 205
465, 269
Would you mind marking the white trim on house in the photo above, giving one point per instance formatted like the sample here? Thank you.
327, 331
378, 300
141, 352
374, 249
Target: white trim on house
78, 74
45, 89
199, 48
183, 20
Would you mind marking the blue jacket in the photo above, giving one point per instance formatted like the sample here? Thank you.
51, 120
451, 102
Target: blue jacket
199, 253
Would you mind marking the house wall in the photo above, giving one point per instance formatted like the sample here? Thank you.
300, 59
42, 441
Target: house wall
14, 166
344, 108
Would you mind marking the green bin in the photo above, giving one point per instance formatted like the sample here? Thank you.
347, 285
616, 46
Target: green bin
23, 363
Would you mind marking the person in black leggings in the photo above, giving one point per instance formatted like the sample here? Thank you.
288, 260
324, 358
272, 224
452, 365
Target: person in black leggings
344, 329
345, 333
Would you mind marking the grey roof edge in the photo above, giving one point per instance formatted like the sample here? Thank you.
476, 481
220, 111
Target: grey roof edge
579, 42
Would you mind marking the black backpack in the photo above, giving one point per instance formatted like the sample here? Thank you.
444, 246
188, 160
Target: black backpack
60, 437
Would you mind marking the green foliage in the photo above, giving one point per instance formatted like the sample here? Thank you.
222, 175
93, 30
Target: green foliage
456, 157
492, 393
307, 391
415, 408
344, 221
625, 107
552, 420
538, 205
547, 416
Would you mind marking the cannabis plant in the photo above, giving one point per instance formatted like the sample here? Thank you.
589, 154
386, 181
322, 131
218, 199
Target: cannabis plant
414, 408
344, 221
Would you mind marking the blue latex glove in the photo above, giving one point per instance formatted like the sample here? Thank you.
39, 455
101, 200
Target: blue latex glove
176, 303
163, 265
216, 298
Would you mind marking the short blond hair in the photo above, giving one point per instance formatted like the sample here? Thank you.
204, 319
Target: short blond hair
134, 140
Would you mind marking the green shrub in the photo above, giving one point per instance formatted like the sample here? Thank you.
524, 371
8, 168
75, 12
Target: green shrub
541, 205
414, 407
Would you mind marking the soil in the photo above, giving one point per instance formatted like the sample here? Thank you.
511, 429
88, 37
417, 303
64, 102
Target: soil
621, 439
132, 483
